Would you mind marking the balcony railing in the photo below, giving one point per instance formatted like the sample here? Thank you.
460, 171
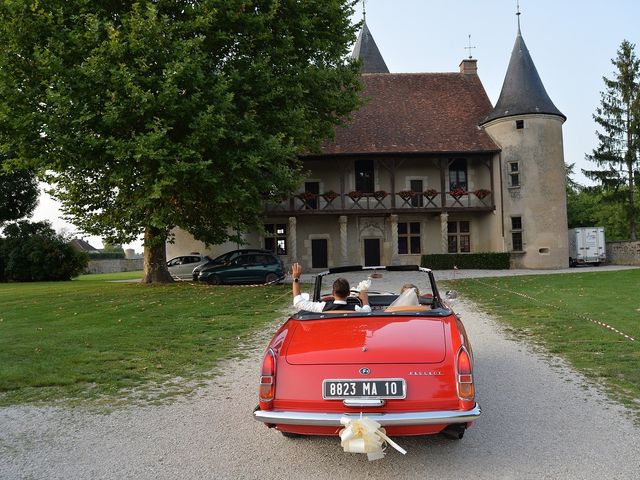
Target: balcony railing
352, 202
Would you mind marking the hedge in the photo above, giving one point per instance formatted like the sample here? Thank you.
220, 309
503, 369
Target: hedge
481, 261
106, 255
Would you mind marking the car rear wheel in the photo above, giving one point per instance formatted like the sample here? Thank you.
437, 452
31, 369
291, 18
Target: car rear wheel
214, 280
270, 278
455, 431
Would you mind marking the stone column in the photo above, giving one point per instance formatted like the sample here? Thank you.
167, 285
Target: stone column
293, 240
395, 258
444, 217
342, 219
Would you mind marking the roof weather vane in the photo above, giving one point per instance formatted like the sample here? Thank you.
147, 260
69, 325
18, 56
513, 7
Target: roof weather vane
518, 12
469, 47
364, 10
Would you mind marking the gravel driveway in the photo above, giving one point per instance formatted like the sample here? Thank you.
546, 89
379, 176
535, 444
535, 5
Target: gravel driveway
540, 421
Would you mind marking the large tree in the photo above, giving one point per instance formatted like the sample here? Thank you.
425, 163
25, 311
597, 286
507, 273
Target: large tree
579, 205
18, 194
617, 153
587, 207
152, 115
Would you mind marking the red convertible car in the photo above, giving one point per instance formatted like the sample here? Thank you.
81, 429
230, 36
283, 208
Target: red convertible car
408, 366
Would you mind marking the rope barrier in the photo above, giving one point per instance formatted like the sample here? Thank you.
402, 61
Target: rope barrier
278, 280
579, 315
252, 285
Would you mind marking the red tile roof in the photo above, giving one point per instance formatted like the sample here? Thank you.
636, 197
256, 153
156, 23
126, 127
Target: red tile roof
417, 113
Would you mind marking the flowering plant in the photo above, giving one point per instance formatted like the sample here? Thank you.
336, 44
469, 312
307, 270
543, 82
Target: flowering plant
308, 196
355, 195
330, 196
380, 194
406, 194
458, 192
430, 193
482, 193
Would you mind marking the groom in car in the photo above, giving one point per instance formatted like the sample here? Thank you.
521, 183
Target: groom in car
341, 290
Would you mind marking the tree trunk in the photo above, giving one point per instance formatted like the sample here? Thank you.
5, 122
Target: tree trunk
155, 257
633, 227
632, 186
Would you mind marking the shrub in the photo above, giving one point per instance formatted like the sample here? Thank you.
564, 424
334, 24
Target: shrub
483, 261
35, 252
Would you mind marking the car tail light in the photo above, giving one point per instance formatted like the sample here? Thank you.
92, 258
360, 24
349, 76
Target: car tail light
268, 380
464, 371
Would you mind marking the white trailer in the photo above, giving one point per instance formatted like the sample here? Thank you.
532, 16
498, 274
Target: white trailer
586, 246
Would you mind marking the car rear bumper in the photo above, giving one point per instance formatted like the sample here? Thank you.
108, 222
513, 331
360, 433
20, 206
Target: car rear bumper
279, 417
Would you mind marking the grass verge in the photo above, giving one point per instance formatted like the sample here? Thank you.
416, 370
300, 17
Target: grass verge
93, 339
590, 319
110, 276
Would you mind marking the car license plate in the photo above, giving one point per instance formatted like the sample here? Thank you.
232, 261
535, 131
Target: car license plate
356, 388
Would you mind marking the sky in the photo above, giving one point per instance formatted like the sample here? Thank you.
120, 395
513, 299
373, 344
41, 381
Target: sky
571, 42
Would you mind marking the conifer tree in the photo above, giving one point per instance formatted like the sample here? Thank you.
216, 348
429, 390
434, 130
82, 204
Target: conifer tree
618, 117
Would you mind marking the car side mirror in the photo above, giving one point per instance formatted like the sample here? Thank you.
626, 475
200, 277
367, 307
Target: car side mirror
450, 296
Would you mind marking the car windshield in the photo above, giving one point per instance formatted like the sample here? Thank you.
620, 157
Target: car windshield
390, 291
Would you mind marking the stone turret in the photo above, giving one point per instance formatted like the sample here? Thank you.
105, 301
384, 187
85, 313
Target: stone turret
528, 127
522, 91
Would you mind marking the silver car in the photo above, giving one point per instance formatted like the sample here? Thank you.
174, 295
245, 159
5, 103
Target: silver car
181, 268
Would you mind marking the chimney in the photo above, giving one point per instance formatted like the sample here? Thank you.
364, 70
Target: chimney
469, 66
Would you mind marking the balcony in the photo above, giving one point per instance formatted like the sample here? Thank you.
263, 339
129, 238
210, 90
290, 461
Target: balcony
381, 202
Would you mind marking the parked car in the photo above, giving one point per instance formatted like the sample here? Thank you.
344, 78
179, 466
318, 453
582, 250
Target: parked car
262, 267
409, 368
225, 258
181, 268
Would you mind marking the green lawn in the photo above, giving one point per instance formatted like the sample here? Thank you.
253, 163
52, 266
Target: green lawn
110, 276
96, 339
586, 318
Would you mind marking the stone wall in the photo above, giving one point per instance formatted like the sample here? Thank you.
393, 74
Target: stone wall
623, 253
114, 265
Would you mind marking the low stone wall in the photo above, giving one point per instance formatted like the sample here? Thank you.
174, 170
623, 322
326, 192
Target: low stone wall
623, 253
114, 265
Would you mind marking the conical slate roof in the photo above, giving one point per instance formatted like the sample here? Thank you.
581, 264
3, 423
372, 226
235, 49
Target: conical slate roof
367, 50
522, 90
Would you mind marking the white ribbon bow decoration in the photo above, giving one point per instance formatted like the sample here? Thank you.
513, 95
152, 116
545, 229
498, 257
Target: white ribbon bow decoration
363, 435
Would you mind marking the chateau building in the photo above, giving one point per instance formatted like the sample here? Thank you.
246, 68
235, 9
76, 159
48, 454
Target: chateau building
426, 166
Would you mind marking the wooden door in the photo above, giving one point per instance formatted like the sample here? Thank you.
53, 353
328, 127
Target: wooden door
371, 252
319, 253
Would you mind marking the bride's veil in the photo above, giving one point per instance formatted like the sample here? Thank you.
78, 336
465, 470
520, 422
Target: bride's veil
408, 298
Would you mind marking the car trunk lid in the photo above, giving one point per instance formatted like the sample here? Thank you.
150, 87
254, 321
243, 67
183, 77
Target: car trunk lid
368, 340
